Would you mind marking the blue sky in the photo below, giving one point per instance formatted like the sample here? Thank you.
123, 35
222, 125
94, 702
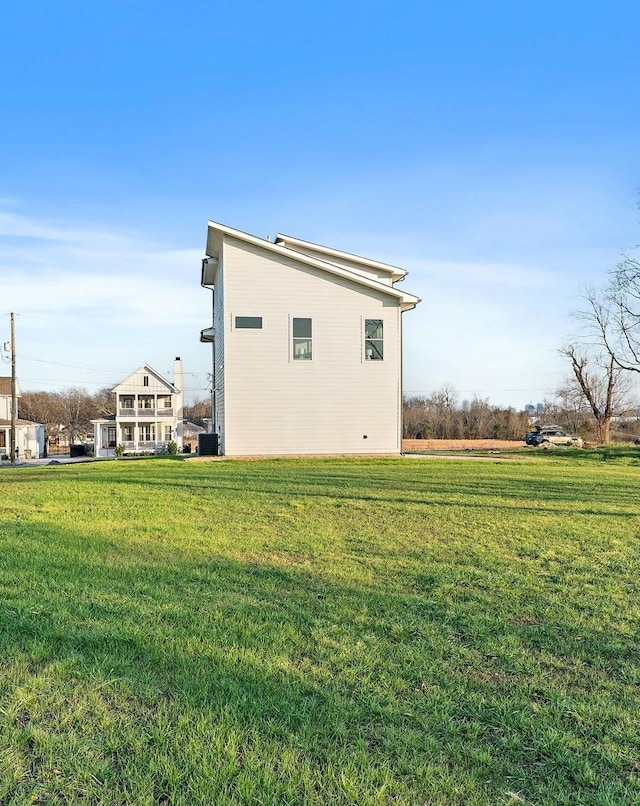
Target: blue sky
490, 149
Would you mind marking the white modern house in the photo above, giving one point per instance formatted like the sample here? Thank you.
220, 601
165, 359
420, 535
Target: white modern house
148, 414
306, 347
29, 435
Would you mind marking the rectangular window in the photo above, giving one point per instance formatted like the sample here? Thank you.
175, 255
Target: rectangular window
127, 433
250, 322
127, 402
146, 402
301, 334
3, 439
373, 341
145, 380
147, 432
168, 433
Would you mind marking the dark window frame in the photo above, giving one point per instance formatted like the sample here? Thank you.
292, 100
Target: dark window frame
301, 336
248, 323
374, 344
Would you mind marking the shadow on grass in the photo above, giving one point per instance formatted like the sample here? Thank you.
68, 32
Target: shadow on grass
400, 486
178, 682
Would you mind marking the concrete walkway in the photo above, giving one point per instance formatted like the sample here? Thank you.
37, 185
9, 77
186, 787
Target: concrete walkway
50, 460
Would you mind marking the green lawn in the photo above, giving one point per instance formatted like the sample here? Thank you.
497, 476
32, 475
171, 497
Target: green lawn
417, 631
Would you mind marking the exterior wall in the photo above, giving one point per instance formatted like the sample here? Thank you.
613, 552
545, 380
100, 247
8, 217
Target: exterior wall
101, 438
29, 440
5, 398
336, 403
5, 407
218, 357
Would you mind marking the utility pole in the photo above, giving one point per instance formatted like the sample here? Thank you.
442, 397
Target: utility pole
14, 398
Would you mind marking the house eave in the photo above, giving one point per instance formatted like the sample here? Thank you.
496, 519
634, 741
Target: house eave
403, 298
394, 272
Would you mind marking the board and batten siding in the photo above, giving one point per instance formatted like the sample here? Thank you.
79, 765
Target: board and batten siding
134, 385
336, 403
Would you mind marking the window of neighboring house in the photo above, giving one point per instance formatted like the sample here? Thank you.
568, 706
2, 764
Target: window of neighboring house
301, 336
168, 433
251, 322
126, 403
373, 340
127, 433
147, 432
145, 380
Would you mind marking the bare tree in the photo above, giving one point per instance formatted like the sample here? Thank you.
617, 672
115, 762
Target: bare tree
198, 410
440, 417
69, 411
623, 325
104, 403
599, 384
77, 412
611, 318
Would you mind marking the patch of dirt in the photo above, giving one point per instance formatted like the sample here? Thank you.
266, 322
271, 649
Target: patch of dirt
460, 444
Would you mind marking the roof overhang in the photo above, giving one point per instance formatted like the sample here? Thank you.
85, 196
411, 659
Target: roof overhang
217, 231
327, 253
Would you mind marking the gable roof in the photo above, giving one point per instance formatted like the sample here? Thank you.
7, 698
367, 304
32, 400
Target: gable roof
19, 422
147, 370
5, 387
216, 233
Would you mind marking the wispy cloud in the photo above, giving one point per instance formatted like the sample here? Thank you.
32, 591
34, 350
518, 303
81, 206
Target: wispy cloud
98, 298
56, 268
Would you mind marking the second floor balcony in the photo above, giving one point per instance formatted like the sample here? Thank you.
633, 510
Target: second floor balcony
163, 411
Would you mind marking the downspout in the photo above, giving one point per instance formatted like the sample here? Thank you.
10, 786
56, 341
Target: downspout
214, 429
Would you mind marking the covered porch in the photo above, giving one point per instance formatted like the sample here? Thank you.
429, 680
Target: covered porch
135, 436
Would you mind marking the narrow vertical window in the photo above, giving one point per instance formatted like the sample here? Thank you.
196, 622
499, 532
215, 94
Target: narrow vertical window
302, 339
145, 380
373, 340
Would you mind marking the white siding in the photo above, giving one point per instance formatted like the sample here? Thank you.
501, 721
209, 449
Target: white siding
157, 387
134, 384
274, 405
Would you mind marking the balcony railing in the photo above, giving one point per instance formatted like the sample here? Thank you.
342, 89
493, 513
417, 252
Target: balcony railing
144, 445
162, 412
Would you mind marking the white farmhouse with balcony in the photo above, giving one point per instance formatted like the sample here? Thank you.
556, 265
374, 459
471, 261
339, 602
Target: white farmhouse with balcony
148, 414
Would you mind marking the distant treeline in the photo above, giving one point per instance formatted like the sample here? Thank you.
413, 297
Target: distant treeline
440, 416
